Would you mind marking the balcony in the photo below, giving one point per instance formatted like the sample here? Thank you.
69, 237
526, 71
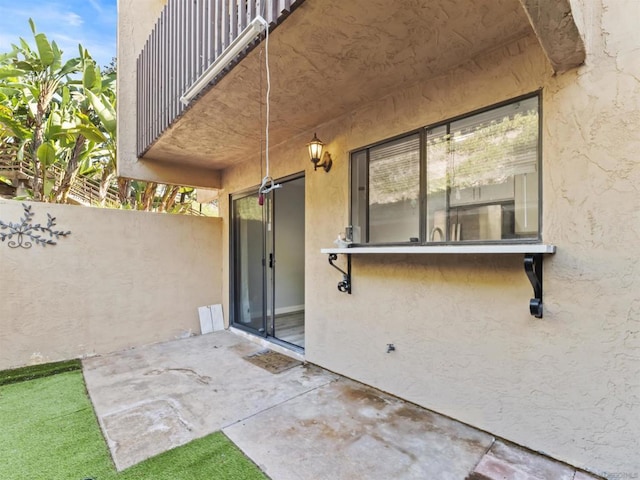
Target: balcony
186, 40
327, 59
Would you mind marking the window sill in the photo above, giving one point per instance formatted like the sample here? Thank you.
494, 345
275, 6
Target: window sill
533, 255
525, 248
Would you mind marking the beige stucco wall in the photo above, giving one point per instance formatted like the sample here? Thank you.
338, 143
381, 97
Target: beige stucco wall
466, 346
121, 279
136, 19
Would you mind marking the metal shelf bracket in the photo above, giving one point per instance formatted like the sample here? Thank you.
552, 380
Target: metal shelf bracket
533, 269
345, 285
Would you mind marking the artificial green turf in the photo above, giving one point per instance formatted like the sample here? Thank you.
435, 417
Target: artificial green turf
38, 371
48, 431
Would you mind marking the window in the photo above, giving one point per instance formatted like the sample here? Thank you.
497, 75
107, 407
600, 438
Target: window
474, 179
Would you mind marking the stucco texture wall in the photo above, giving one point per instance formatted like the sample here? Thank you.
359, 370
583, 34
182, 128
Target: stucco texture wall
136, 20
466, 346
121, 279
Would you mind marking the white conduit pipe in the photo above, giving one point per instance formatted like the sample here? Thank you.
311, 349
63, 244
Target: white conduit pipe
267, 182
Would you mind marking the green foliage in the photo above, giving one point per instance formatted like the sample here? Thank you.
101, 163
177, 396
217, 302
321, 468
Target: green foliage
47, 112
60, 115
47, 154
8, 120
91, 77
87, 129
104, 109
482, 157
47, 56
10, 72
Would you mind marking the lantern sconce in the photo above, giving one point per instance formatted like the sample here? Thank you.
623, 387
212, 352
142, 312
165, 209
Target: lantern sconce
315, 153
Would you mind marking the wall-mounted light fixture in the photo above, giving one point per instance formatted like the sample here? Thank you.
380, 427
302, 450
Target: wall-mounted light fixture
315, 153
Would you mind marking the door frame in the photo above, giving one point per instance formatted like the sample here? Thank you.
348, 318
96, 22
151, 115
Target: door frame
265, 269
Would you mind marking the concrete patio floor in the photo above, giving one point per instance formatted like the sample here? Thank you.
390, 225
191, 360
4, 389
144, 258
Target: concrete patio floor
301, 423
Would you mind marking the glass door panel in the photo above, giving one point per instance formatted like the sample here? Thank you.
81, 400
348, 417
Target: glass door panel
247, 264
288, 240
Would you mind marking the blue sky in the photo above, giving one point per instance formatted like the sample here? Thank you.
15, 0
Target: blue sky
69, 22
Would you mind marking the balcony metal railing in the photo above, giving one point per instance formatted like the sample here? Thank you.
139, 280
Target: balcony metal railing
188, 37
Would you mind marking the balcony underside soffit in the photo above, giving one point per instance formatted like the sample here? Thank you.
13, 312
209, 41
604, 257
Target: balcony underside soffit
331, 56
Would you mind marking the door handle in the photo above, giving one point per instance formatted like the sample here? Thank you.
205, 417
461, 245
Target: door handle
271, 260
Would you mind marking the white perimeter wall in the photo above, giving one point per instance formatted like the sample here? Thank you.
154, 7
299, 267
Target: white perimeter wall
121, 279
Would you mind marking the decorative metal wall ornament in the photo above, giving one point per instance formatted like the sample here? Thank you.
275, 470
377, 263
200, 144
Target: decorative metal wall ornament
26, 233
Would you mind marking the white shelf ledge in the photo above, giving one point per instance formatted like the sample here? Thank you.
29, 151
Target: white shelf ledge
533, 258
447, 249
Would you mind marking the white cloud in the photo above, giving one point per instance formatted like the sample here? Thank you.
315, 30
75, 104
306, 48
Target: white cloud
96, 5
91, 23
101, 51
72, 19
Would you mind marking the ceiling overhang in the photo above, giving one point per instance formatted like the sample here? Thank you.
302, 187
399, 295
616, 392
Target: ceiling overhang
332, 56
553, 22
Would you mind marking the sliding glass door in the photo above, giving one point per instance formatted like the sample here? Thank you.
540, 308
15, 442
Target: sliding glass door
267, 263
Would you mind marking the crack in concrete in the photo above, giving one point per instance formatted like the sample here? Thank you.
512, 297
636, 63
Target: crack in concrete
280, 403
